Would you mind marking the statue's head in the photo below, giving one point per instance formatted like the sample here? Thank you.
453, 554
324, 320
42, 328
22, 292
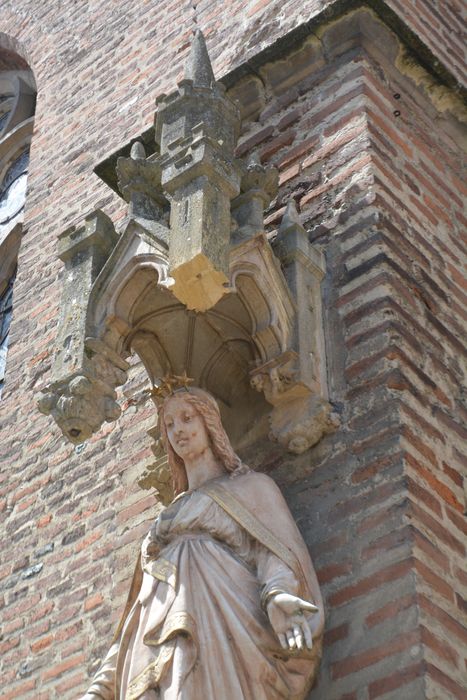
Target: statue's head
203, 412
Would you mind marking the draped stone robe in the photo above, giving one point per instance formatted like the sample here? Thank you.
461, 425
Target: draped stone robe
194, 626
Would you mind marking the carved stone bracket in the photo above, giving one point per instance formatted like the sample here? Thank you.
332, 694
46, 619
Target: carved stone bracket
299, 418
82, 403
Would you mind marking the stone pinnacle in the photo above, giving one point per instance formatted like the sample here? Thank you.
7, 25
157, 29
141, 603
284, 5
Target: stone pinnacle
254, 159
138, 152
198, 68
291, 216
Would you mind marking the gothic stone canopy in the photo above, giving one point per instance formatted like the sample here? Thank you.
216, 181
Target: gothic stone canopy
193, 283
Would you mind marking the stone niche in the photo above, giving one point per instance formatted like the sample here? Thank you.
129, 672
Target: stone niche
193, 283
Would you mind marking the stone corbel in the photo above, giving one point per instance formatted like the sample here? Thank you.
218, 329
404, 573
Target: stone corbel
80, 404
300, 417
157, 474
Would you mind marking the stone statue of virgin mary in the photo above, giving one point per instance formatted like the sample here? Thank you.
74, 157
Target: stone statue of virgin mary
224, 604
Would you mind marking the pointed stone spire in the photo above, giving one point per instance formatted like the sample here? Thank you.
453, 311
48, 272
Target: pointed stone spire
138, 152
198, 68
254, 159
291, 217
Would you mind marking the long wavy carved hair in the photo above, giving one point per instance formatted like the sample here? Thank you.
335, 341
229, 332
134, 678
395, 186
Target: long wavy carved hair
207, 407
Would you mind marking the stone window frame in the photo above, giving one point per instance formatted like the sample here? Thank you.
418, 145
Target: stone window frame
17, 107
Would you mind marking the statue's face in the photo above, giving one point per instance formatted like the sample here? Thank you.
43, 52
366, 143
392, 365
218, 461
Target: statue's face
185, 428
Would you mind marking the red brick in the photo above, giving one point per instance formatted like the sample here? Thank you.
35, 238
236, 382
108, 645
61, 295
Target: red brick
336, 634
431, 551
20, 690
254, 140
93, 601
387, 542
333, 571
22, 607
446, 682
376, 467
451, 625
8, 644
396, 680
277, 144
438, 486
379, 578
257, 7
42, 643
44, 520
459, 521
41, 611
357, 166
424, 496
72, 682
356, 662
438, 584
389, 610
437, 529
60, 668
440, 647
453, 474
297, 152
88, 541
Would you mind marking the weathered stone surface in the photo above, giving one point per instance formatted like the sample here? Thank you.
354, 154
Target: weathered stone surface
198, 128
139, 181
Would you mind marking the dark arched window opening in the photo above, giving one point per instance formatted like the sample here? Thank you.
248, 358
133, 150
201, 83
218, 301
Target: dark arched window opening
17, 103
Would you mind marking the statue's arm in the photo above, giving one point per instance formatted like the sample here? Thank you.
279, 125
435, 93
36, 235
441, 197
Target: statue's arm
273, 575
286, 611
103, 683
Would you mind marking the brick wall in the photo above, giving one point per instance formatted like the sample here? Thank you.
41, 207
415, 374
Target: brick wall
380, 502
377, 174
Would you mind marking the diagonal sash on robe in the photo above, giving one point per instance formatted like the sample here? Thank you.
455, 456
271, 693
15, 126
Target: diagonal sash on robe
254, 527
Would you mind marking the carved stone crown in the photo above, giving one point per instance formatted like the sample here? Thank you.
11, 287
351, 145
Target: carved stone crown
170, 385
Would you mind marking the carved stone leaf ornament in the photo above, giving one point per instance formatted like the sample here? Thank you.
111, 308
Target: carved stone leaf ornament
193, 284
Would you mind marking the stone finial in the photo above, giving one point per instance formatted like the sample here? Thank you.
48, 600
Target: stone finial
139, 181
259, 185
253, 159
291, 217
138, 152
199, 68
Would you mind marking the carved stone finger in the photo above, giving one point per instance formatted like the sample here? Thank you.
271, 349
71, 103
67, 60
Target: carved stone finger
307, 634
283, 641
291, 639
298, 633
